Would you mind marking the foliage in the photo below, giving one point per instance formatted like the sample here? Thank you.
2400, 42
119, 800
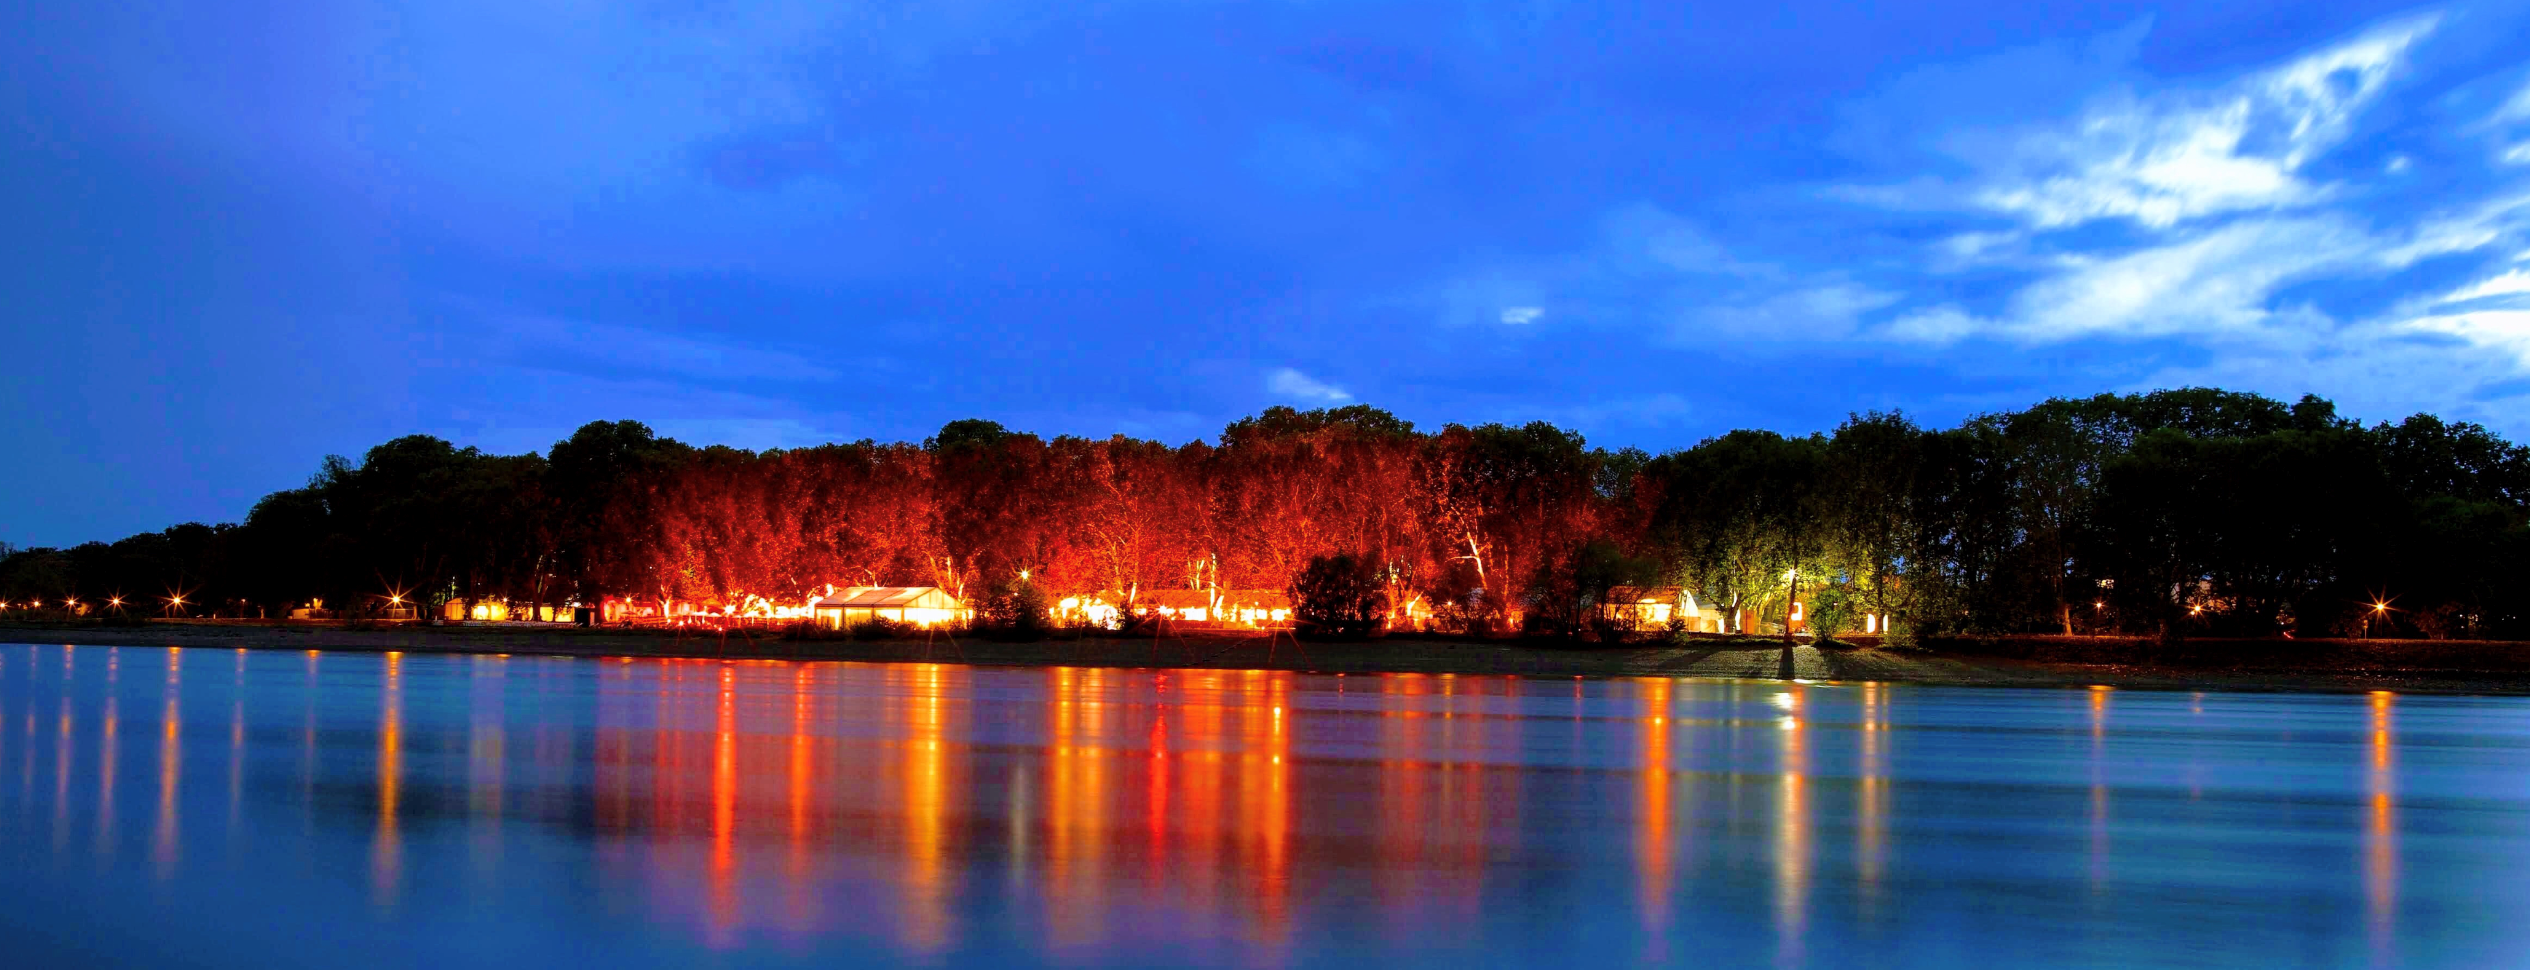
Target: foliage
1339, 595
880, 628
1019, 608
2191, 511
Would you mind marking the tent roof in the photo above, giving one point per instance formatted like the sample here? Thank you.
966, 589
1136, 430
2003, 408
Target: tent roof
928, 597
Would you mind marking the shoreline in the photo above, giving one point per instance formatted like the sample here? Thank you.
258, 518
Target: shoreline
1973, 664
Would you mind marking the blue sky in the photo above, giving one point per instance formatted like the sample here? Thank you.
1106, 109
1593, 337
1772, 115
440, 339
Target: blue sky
243, 235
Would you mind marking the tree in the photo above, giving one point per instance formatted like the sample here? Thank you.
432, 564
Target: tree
1339, 595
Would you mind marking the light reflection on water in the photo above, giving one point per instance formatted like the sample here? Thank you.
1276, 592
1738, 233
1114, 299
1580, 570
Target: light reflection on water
423, 809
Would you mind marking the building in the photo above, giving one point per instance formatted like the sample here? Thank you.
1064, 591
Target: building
1086, 611
1655, 607
1260, 608
499, 611
1182, 605
923, 606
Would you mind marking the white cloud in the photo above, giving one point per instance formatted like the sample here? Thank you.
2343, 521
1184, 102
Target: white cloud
2518, 154
2162, 160
1942, 324
1822, 311
2517, 109
2502, 330
2219, 280
2380, 372
2511, 283
1518, 315
1292, 383
2492, 313
1969, 247
2488, 223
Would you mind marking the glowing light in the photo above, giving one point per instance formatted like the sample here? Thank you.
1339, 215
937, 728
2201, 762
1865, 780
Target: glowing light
116, 601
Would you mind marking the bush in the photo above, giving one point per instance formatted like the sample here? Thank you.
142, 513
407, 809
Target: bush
881, 628
1832, 610
1019, 608
1339, 595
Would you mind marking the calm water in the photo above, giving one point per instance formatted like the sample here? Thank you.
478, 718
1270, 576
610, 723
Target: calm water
256, 809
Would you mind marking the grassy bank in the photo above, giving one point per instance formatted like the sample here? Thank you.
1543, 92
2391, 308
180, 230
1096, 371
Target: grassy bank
2315, 665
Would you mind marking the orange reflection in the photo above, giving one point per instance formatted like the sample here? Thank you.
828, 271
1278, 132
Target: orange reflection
1871, 814
106, 749
926, 800
307, 746
1652, 860
1076, 806
1792, 827
62, 755
1265, 802
386, 862
162, 842
803, 783
724, 795
486, 757
2099, 787
1405, 831
2380, 835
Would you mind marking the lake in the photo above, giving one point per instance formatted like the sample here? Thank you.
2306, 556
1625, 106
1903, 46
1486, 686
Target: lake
219, 808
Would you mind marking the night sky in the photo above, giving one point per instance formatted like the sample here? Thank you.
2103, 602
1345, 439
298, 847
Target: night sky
242, 235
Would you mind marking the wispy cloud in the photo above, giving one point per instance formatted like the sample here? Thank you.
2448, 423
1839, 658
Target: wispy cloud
1291, 383
1820, 311
542, 342
2517, 109
2167, 158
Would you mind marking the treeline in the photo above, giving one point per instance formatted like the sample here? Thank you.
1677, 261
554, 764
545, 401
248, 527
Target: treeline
2180, 512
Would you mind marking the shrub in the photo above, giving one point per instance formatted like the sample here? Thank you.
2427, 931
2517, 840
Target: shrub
1019, 608
881, 628
1832, 610
1340, 595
